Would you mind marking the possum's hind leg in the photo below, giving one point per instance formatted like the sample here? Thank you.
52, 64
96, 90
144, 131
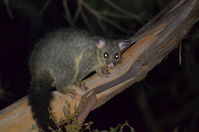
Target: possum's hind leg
66, 87
63, 80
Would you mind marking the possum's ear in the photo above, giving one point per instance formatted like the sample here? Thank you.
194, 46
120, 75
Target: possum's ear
99, 42
124, 43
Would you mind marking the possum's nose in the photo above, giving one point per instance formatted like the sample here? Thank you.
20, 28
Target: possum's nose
111, 65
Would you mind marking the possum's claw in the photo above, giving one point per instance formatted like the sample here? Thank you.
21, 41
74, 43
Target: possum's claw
83, 86
73, 93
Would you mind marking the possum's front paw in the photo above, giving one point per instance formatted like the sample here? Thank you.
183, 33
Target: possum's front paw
103, 72
83, 86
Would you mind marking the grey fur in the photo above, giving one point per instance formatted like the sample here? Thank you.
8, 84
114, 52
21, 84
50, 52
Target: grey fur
56, 54
62, 59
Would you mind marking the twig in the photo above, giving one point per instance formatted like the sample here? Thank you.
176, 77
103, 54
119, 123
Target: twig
91, 10
115, 15
79, 9
86, 20
46, 4
180, 54
67, 12
131, 15
114, 24
101, 17
102, 26
8, 9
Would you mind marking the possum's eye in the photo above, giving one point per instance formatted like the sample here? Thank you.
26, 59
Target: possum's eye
116, 56
106, 55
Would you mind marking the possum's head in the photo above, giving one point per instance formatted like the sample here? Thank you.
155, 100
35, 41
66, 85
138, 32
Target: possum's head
110, 51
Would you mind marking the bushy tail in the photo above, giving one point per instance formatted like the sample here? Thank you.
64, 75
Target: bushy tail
40, 97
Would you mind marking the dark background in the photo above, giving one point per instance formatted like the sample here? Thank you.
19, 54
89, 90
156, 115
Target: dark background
170, 90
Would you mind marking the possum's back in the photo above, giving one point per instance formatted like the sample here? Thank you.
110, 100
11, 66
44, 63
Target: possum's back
60, 46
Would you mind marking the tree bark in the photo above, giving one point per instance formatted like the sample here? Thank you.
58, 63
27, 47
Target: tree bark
151, 45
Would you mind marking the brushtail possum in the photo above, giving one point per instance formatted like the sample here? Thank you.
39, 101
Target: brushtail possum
63, 59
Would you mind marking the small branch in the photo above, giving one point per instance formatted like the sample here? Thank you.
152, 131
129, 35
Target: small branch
67, 12
102, 26
8, 9
78, 12
101, 17
86, 21
125, 12
112, 14
45, 6
114, 24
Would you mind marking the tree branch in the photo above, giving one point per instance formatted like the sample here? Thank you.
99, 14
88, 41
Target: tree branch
153, 43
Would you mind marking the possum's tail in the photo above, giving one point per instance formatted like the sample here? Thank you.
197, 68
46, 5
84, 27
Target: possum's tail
40, 96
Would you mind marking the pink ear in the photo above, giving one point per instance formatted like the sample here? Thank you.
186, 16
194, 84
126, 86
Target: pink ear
99, 42
123, 44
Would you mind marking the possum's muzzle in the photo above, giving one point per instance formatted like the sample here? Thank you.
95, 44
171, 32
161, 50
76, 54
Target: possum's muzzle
110, 65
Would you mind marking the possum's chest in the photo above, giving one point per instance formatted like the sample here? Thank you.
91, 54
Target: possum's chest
84, 63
